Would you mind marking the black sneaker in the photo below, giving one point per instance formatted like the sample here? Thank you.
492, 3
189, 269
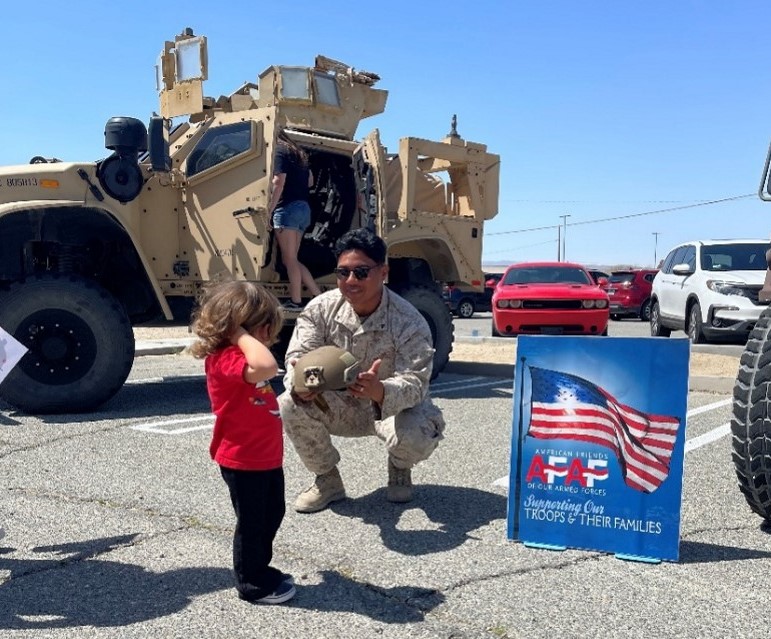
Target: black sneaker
285, 576
292, 306
284, 592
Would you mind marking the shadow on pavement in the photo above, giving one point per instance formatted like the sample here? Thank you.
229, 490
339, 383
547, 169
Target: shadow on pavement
337, 593
79, 589
455, 509
697, 552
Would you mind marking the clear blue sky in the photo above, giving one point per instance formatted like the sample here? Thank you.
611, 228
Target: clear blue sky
598, 109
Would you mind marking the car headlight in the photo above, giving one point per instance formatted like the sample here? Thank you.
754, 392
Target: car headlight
600, 303
726, 288
588, 303
509, 303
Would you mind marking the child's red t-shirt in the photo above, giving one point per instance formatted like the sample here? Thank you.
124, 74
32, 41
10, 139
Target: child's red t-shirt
247, 430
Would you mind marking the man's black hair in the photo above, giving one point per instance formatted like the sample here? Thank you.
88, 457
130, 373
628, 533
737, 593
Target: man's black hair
365, 241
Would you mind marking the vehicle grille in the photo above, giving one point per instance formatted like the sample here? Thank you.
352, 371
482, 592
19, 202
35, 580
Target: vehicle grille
556, 304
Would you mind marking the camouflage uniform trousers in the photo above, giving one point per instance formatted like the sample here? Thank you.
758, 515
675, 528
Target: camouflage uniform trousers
410, 436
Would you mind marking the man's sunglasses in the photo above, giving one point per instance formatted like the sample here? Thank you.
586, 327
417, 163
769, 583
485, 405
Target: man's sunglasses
359, 272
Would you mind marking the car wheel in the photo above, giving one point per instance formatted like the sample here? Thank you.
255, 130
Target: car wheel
657, 330
465, 309
645, 311
695, 333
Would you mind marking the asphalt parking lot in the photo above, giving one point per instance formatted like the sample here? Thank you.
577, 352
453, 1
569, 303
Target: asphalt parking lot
118, 524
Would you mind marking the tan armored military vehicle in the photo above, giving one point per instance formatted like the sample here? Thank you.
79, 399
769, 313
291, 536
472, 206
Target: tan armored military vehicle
751, 421
87, 250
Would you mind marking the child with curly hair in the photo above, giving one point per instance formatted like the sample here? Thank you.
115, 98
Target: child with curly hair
236, 322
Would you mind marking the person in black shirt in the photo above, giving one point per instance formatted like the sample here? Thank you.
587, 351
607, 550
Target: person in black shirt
291, 214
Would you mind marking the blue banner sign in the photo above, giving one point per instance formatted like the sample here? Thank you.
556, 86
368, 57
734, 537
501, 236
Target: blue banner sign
598, 443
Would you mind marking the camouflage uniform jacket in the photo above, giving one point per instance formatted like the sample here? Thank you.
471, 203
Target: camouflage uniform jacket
395, 333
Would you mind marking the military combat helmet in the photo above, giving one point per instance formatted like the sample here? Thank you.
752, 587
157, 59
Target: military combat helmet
325, 368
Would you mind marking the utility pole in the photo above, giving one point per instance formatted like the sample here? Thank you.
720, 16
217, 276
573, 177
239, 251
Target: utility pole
559, 245
564, 233
655, 249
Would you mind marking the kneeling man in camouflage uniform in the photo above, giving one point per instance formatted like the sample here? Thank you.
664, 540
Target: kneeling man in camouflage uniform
389, 398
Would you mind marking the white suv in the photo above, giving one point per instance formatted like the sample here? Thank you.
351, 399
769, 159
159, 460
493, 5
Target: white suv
709, 289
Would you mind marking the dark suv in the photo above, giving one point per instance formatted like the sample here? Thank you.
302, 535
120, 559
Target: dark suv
464, 303
629, 292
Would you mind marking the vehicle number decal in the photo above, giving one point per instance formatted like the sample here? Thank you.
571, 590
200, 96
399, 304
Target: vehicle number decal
30, 181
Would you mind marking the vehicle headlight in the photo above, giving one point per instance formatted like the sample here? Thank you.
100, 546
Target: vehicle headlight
588, 303
726, 288
600, 303
509, 303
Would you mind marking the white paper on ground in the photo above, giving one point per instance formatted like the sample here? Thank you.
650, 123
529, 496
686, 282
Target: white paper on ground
11, 351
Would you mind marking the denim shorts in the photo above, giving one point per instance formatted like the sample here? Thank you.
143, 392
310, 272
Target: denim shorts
294, 215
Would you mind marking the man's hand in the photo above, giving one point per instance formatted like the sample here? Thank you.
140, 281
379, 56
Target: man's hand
367, 384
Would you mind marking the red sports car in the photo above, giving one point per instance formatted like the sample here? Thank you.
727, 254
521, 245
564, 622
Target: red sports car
553, 298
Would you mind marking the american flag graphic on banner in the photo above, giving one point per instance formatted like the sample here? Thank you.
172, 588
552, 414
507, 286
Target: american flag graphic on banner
565, 406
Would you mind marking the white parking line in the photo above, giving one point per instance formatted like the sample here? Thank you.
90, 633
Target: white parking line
708, 437
160, 428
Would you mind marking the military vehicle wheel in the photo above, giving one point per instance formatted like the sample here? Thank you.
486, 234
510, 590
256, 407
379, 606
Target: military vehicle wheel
466, 309
751, 421
657, 330
81, 346
432, 307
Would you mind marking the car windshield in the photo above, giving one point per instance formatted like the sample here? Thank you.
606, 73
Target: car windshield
618, 278
547, 275
734, 257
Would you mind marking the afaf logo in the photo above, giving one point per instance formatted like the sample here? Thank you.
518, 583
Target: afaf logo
572, 469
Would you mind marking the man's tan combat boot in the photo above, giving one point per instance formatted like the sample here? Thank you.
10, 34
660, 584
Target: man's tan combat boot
399, 484
322, 492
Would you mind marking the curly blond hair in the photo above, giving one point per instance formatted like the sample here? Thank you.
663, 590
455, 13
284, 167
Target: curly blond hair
224, 306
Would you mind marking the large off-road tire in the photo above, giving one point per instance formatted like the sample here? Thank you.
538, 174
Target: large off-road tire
433, 308
751, 421
80, 341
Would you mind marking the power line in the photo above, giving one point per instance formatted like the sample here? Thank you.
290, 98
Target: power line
517, 248
631, 215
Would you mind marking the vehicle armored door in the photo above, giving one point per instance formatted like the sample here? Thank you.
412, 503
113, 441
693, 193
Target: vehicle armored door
225, 199
368, 162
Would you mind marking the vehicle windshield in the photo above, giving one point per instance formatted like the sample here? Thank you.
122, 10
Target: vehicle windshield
619, 278
547, 275
734, 257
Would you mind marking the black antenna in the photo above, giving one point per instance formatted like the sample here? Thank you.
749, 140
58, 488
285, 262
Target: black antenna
454, 127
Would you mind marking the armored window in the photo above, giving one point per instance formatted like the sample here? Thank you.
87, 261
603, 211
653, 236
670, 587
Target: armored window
325, 87
219, 144
295, 83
